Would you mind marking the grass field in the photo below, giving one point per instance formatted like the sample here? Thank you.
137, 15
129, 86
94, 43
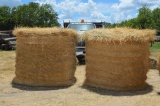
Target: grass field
7, 61
76, 95
155, 46
155, 50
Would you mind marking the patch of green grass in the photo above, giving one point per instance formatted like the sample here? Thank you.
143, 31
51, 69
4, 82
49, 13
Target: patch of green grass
155, 46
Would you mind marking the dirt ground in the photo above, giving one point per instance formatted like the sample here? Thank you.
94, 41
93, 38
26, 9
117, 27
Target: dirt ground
76, 95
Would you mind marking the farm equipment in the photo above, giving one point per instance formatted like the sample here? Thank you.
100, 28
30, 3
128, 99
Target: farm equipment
157, 37
81, 27
7, 41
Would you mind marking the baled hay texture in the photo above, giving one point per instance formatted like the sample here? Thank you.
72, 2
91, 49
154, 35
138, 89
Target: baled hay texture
159, 65
120, 35
45, 56
121, 66
24, 31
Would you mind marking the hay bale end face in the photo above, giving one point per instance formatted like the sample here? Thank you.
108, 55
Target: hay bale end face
117, 59
45, 56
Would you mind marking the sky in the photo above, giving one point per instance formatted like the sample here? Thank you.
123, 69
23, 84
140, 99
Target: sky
112, 11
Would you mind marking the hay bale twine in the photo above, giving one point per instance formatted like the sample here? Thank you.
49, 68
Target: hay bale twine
45, 56
117, 59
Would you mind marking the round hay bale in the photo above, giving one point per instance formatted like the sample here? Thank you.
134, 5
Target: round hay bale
158, 65
45, 56
117, 59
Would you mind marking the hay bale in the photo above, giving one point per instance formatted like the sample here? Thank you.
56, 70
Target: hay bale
45, 56
158, 65
117, 59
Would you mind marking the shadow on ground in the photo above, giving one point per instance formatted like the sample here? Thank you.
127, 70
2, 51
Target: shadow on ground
158, 93
37, 88
100, 91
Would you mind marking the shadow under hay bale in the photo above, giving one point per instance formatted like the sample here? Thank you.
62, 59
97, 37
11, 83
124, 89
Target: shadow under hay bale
100, 91
45, 56
117, 59
38, 88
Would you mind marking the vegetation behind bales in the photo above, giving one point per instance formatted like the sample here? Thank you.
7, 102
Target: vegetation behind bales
155, 46
31, 15
146, 19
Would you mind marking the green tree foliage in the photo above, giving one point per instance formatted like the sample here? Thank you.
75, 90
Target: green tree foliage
156, 18
31, 15
133, 23
35, 15
47, 16
5, 18
145, 18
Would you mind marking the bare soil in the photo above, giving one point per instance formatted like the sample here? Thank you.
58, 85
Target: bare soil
76, 95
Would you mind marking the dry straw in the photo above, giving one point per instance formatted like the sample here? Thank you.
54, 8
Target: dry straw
117, 59
158, 66
45, 56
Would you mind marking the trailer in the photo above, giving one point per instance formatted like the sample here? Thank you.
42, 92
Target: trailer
7, 41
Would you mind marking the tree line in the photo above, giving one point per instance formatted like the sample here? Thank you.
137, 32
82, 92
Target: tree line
28, 15
146, 19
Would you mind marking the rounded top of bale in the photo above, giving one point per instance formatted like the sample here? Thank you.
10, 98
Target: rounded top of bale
120, 35
24, 31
